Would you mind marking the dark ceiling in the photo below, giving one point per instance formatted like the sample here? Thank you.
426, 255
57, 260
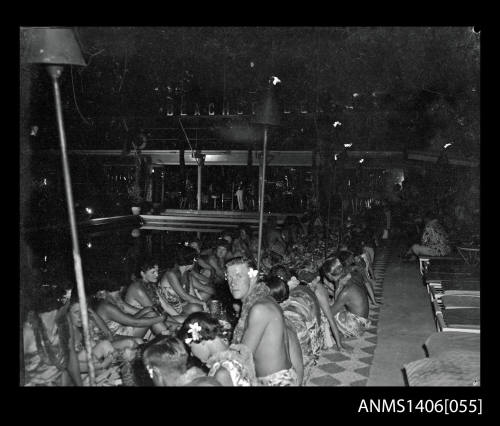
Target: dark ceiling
389, 86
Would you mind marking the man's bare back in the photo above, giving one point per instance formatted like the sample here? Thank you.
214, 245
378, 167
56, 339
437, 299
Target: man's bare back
265, 334
354, 299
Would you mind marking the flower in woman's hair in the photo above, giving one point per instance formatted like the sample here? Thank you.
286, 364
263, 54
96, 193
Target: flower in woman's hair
252, 273
150, 371
293, 282
194, 330
186, 243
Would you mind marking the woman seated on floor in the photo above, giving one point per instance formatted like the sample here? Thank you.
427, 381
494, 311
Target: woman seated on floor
207, 339
356, 266
241, 244
434, 240
166, 363
145, 292
49, 356
308, 290
121, 318
201, 266
218, 259
106, 349
183, 289
351, 308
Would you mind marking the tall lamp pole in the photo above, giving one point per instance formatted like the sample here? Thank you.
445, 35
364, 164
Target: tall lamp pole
55, 47
267, 114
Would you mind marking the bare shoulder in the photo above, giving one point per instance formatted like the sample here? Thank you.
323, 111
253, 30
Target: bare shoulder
265, 308
135, 289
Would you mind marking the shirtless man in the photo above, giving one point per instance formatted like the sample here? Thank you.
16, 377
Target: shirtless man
261, 326
351, 308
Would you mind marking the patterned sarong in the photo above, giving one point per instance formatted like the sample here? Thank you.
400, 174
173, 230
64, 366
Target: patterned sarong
238, 361
351, 325
280, 378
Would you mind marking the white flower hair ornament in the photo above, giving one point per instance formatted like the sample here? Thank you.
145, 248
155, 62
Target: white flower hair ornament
293, 282
194, 330
252, 273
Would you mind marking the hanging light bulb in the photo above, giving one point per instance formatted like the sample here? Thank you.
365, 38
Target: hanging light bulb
275, 80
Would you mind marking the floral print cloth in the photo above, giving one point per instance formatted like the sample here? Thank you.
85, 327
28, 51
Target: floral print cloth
238, 361
350, 324
280, 378
435, 238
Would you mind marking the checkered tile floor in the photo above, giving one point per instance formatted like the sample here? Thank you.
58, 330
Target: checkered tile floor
353, 369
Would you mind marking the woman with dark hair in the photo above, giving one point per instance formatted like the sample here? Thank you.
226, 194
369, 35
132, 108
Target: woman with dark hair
218, 259
292, 230
241, 244
49, 355
181, 288
207, 339
142, 292
307, 308
108, 351
121, 318
201, 266
166, 363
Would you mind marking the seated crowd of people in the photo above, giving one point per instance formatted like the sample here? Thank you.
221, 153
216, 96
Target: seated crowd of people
211, 318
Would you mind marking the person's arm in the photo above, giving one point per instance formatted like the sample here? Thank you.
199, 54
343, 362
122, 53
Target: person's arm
223, 377
202, 279
296, 356
129, 309
340, 303
369, 283
205, 265
120, 317
176, 285
218, 272
143, 312
101, 324
322, 296
258, 319
195, 283
73, 367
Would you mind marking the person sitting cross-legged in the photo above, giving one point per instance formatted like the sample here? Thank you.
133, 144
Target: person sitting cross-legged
350, 308
121, 318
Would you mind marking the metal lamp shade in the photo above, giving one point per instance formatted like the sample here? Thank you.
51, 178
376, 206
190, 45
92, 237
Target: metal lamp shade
51, 46
268, 112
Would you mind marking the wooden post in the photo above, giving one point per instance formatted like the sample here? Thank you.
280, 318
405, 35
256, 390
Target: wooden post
55, 71
262, 196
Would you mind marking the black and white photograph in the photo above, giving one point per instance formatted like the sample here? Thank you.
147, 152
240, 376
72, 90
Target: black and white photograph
250, 206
